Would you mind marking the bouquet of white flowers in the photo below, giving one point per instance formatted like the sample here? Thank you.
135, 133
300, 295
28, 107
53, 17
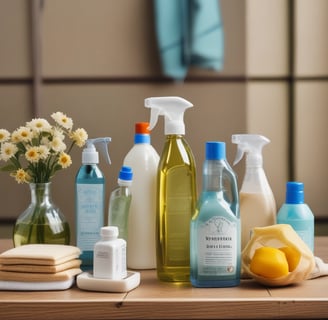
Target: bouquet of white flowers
34, 152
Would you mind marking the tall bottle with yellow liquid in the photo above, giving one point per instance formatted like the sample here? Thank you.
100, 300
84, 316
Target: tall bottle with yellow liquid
257, 203
176, 191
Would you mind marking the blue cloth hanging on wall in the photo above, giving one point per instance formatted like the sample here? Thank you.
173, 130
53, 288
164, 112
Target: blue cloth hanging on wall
189, 32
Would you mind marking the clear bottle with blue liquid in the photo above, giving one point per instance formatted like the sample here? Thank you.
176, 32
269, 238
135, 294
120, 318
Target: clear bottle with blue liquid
297, 213
215, 226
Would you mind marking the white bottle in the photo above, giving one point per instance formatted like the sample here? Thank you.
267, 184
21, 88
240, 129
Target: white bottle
257, 203
143, 159
110, 255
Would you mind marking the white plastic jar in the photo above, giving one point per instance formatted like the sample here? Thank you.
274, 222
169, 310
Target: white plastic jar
110, 255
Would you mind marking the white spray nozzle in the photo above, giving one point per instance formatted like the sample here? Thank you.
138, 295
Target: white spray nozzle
90, 154
172, 108
252, 145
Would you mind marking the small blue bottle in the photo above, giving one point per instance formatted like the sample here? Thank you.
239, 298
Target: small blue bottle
120, 201
297, 213
215, 226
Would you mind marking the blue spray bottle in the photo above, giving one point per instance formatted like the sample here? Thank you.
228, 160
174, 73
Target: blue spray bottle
90, 199
215, 226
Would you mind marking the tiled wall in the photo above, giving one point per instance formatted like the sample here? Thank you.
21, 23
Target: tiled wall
99, 62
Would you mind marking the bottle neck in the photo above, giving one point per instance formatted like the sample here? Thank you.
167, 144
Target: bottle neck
213, 175
141, 138
40, 193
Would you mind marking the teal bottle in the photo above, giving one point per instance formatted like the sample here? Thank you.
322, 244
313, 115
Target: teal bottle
297, 213
215, 226
89, 200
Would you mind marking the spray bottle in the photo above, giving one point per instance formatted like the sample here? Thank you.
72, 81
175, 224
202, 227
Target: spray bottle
257, 203
143, 159
215, 226
176, 191
90, 199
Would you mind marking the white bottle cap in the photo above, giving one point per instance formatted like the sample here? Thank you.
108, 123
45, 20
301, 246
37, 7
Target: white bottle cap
109, 232
90, 155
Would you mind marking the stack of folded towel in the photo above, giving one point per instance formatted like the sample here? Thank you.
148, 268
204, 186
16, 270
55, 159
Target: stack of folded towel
39, 267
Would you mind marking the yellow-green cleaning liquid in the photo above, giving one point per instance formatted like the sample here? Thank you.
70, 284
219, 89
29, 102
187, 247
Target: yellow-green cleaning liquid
175, 207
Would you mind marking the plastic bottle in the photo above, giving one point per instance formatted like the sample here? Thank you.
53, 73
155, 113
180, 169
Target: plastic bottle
176, 191
120, 201
257, 203
110, 255
297, 213
143, 159
215, 226
89, 199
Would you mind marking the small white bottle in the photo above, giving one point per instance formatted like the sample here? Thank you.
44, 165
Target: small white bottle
110, 255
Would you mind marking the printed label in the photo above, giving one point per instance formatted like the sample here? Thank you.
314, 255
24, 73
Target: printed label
90, 210
217, 247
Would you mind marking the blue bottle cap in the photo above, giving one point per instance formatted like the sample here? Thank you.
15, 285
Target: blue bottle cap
126, 173
294, 192
215, 150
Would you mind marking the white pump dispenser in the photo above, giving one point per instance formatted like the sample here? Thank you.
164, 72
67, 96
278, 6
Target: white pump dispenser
176, 191
257, 203
90, 155
90, 199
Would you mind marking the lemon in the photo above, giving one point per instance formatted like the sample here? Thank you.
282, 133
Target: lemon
293, 257
269, 262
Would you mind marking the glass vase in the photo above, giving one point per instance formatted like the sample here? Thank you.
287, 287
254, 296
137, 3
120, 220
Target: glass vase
42, 221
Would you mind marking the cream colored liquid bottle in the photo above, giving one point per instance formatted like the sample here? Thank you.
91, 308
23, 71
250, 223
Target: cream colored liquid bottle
256, 210
257, 203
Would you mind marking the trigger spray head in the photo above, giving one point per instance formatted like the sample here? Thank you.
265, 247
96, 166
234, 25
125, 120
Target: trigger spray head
252, 145
90, 154
172, 108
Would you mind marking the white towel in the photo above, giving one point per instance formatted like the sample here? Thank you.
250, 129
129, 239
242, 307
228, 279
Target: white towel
36, 286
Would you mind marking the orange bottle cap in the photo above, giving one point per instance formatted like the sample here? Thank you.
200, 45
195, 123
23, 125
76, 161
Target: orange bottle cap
142, 127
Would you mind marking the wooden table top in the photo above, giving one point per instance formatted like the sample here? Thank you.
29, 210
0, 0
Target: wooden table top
158, 300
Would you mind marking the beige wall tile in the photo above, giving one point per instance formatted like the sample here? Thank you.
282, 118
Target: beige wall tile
311, 116
267, 37
15, 53
311, 39
267, 114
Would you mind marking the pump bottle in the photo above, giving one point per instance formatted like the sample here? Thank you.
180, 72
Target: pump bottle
89, 199
215, 226
176, 191
297, 213
120, 201
257, 203
143, 159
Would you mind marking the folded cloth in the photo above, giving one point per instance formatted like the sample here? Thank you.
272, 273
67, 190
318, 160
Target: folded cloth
36, 286
39, 277
40, 254
320, 269
75, 263
189, 32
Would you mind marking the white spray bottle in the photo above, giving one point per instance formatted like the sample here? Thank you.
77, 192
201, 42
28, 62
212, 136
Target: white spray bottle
176, 191
257, 203
90, 199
